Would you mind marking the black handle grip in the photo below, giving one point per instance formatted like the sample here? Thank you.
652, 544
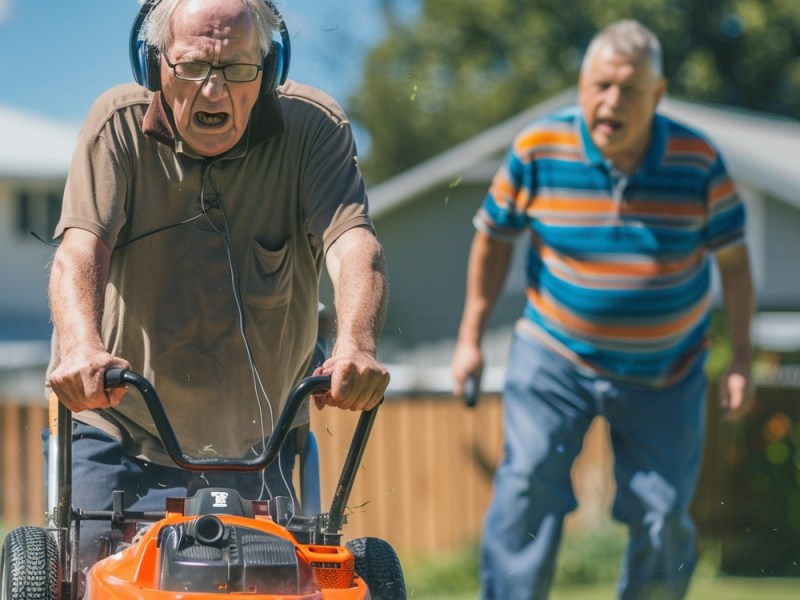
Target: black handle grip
114, 377
472, 390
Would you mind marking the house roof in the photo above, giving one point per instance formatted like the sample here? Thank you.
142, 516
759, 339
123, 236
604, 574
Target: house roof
760, 149
34, 146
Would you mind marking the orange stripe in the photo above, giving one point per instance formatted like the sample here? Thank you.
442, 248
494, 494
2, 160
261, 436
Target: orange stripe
637, 269
501, 189
648, 207
722, 191
692, 146
529, 141
572, 205
590, 328
603, 204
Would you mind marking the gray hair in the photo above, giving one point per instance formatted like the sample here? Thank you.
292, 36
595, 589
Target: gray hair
627, 38
156, 30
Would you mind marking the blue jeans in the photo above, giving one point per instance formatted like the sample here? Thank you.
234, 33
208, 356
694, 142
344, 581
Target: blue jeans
100, 466
657, 439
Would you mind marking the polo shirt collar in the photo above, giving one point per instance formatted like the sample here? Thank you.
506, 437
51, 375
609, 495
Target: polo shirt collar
266, 121
655, 151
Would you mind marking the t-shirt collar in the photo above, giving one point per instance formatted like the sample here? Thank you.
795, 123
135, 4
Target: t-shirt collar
266, 121
652, 158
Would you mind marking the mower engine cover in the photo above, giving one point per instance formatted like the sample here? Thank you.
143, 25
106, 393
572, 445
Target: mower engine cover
205, 555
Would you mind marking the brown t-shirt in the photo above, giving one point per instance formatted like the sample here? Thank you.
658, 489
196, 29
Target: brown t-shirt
213, 288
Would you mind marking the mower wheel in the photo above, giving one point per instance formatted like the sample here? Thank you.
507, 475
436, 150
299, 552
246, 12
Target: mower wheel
377, 564
29, 565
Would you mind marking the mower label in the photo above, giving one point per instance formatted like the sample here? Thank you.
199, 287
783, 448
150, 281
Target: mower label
220, 499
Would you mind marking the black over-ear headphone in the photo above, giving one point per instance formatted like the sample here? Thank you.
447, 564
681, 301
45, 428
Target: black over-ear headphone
146, 60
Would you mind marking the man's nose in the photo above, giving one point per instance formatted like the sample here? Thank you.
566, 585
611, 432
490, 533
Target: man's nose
214, 84
613, 95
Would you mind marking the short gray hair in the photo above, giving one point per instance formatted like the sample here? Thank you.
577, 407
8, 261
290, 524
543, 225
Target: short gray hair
156, 30
627, 38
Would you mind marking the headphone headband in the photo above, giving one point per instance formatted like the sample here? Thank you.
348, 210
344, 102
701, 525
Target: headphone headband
146, 59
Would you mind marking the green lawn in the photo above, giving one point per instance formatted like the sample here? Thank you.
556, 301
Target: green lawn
704, 587
587, 570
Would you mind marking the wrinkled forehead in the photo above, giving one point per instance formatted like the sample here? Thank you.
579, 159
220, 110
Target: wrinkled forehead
609, 62
205, 28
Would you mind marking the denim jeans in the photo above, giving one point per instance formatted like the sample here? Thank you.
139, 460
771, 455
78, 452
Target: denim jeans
657, 439
100, 466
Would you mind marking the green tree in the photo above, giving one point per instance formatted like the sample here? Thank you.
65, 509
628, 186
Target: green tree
458, 66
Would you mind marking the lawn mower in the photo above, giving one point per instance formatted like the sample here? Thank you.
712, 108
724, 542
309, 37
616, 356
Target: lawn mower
211, 544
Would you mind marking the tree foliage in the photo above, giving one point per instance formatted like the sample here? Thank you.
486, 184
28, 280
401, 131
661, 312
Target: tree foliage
457, 67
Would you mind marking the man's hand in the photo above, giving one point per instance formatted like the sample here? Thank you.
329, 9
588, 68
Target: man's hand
358, 381
78, 379
467, 362
736, 394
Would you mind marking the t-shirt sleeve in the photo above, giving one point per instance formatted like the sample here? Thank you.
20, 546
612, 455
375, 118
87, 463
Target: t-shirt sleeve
95, 189
502, 214
334, 191
726, 210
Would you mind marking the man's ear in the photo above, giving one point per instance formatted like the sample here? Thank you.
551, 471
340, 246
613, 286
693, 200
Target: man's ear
661, 89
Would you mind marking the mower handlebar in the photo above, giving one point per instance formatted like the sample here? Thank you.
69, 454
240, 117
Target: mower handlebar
115, 377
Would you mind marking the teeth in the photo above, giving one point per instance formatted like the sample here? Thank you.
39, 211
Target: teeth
210, 119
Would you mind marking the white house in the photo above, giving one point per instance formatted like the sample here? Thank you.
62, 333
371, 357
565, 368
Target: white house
34, 158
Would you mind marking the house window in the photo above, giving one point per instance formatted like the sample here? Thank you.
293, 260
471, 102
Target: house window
37, 213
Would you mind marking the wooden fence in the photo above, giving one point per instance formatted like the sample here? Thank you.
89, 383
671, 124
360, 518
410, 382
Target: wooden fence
427, 473
426, 476
21, 464
424, 484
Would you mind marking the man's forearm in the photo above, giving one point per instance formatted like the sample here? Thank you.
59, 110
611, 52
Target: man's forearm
77, 282
488, 265
739, 299
358, 272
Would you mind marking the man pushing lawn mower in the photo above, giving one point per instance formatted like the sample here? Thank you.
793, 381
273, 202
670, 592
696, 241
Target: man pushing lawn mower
200, 206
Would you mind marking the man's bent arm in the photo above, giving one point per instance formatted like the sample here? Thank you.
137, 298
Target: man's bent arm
739, 300
77, 284
489, 261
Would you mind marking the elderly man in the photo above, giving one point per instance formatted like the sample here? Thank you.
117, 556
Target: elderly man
624, 209
197, 217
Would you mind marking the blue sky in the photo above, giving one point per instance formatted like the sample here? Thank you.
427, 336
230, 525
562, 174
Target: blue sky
58, 55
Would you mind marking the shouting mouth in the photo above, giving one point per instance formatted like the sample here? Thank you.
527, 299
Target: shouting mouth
609, 126
205, 119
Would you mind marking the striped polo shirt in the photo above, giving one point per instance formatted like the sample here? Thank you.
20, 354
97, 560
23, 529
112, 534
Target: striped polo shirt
618, 271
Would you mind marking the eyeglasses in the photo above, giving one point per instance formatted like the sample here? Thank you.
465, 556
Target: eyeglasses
199, 71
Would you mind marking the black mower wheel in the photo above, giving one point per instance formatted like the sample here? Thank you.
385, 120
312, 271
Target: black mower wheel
377, 564
29, 565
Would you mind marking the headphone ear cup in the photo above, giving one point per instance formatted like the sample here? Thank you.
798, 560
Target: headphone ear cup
152, 68
146, 66
145, 60
272, 73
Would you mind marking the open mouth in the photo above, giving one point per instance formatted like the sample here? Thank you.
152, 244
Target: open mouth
211, 119
610, 125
